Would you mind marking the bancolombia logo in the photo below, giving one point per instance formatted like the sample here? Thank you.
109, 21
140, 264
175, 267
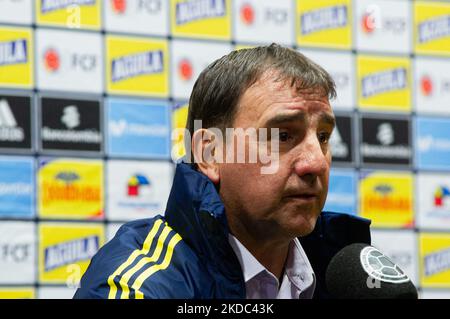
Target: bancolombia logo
71, 125
386, 141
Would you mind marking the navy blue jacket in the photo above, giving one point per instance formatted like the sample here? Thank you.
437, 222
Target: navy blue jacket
186, 253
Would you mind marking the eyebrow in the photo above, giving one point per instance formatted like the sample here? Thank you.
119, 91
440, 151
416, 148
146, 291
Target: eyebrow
283, 118
279, 119
328, 119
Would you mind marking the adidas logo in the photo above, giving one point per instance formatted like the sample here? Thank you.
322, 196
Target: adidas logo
9, 131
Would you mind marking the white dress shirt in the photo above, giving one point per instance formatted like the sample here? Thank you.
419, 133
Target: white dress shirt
298, 280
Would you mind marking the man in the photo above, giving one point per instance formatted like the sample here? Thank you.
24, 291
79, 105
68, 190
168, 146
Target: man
231, 229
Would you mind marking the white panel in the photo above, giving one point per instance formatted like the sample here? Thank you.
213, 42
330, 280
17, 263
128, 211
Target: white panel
264, 21
69, 61
16, 11
148, 17
383, 25
56, 293
401, 247
432, 85
130, 198
433, 200
17, 252
341, 66
189, 58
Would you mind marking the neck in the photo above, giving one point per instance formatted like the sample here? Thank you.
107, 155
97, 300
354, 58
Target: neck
270, 252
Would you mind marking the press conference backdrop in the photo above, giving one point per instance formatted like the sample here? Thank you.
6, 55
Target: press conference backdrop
90, 91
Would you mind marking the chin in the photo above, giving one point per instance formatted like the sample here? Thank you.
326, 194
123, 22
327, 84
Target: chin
304, 225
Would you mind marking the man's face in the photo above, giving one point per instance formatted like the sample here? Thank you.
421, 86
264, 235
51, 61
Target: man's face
284, 204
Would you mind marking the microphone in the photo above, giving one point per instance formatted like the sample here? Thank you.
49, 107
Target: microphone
360, 271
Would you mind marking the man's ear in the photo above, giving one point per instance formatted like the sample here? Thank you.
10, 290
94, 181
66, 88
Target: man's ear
205, 147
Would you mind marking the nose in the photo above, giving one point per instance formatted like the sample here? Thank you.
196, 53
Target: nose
311, 159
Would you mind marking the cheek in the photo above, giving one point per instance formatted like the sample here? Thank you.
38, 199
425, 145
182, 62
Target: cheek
246, 186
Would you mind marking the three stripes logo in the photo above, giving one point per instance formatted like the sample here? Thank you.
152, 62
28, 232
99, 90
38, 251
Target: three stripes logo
9, 130
155, 255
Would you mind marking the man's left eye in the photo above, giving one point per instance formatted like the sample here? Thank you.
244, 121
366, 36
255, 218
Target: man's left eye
324, 137
284, 136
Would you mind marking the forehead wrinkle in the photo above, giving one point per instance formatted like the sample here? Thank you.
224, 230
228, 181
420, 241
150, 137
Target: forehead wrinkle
272, 95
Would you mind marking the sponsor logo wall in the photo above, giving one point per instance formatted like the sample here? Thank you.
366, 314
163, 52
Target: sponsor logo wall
90, 91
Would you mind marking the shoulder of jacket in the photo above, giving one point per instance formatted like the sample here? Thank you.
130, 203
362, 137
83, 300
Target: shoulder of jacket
139, 250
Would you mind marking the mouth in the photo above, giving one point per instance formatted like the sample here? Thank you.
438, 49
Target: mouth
303, 198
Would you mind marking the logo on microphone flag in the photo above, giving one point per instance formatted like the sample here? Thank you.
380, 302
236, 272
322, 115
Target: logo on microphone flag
16, 57
85, 14
387, 198
435, 260
209, 19
67, 247
326, 23
380, 267
384, 83
432, 28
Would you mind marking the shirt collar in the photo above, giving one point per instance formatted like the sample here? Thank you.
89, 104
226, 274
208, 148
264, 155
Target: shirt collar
249, 264
298, 268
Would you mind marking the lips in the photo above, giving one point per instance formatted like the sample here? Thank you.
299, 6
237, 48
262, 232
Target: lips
303, 197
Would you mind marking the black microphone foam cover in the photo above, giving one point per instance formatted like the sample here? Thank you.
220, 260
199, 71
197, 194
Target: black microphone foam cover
360, 271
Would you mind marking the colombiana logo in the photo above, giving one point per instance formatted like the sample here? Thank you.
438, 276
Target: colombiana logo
323, 19
150, 62
192, 10
13, 52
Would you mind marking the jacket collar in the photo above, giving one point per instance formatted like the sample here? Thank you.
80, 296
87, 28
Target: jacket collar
195, 211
